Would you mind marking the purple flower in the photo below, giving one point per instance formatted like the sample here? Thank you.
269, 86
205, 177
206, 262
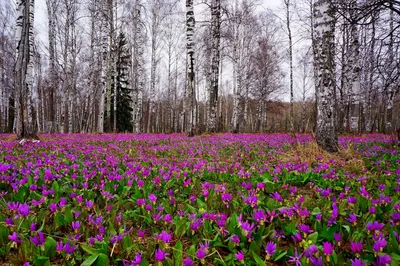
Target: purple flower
165, 237
201, 253
188, 262
152, 198
305, 229
247, 227
328, 249
259, 216
270, 249
235, 239
310, 250
383, 260
160, 255
357, 262
352, 219
379, 245
316, 261
240, 256
14, 237
60, 246
356, 247
23, 210
338, 237
38, 239
69, 248
76, 225
296, 258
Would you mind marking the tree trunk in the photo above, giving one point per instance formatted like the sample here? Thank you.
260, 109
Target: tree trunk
324, 48
191, 112
215, 59
287, 3
26, 122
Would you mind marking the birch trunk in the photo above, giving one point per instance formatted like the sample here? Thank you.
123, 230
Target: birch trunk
354, 63
215, 60
324, 47
390, 90
104, 65
190, 26
110, 21
52, 11
287, 3
26, 122
138, 69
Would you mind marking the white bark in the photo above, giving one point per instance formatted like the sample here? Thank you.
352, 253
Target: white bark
26, 123
215, 60
324, 46
190, 27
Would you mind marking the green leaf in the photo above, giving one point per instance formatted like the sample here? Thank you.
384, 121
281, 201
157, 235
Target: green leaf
90, 250
178, 253
259, 261
347, 228
313, 237
90, 260
102, 260
42, 261
50, 247
281, 255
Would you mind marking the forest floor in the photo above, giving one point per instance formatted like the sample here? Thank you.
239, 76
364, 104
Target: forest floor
224, 199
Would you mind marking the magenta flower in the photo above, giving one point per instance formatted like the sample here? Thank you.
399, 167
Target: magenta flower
160, 254
69, 248
328, 248
152, 198
23, 210
165, 237
317, 261
188, 262
352, 219
247, 227
270, 249
296, 258
379, 245
14, 237
201, 253
358, 262
310, 251
383, 260
305, 229
240, 256
76, 225
38, 239
356, 247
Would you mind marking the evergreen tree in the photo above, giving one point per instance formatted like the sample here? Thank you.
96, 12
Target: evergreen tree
123, 89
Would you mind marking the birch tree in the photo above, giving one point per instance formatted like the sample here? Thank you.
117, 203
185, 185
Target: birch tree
52, 12
26, 123
324, 47
191, 95
138, 71
289, 29
215, 61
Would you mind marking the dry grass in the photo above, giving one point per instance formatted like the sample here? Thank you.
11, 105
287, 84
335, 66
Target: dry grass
347, 159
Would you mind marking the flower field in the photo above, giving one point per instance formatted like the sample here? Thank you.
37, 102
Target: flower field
213, 200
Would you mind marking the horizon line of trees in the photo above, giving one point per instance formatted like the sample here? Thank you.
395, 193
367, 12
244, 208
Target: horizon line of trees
156, 66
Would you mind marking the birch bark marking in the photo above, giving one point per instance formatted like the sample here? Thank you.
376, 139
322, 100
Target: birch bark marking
324, 47
287, 3
138, 70
354, 63
215, 59
190, 24
26, 122
104, 65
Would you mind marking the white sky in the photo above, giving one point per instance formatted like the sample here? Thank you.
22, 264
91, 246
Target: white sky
41, 21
